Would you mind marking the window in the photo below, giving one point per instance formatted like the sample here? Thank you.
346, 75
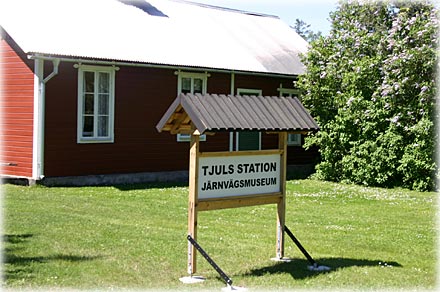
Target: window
191, 83
289, 92
95, 104
247, 91
292, 139
248, 140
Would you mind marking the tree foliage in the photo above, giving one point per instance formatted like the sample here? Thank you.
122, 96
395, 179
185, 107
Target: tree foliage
303, 29
370, 85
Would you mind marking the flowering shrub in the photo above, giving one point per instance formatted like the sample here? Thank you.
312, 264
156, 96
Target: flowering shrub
370, 85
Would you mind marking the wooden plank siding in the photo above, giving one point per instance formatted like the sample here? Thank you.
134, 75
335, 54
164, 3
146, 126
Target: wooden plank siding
142, 95
17, 107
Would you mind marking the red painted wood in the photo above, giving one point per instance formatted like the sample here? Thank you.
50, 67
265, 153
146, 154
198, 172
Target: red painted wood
142, 97
17, 111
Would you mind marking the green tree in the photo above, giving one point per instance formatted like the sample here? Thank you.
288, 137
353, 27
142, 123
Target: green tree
303, 29
370, 85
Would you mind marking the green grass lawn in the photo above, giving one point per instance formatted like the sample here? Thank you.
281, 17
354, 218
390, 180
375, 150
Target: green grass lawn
135, 237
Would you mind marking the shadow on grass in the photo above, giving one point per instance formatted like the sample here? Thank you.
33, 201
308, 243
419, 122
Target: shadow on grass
21, 267
16, 238
297, 268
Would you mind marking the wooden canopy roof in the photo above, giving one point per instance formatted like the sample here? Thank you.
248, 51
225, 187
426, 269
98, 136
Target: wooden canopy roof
213, 113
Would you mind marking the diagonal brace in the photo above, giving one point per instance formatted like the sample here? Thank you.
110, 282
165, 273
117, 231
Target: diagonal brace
210, 261
301, 248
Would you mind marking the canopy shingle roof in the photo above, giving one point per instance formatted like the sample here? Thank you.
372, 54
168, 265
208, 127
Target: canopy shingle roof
212, 113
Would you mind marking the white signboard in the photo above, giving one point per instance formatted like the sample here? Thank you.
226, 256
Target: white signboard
226, 176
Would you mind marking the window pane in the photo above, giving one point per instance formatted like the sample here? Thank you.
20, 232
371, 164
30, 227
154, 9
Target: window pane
198, 85
89, 81
89, 101
186, 85
183, 137
96, 120
104, 82
294, 139
88, 126
249, 141
103, 108
250, 93
103, 126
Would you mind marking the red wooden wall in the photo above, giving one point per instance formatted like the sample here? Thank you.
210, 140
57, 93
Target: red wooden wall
142, 95
17, 93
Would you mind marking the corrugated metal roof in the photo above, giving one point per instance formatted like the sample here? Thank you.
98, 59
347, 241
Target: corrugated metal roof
177, 33
212, 112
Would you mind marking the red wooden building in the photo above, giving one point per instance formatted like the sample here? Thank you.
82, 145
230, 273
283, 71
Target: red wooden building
83, 88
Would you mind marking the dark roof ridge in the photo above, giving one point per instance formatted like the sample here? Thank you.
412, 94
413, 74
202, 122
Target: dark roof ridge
226, 9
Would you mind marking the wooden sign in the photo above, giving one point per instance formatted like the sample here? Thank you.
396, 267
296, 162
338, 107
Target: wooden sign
220, 180
229, 174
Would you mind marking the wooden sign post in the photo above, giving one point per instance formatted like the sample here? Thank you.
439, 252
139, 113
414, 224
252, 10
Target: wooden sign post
194, 154
281, 206
220, 180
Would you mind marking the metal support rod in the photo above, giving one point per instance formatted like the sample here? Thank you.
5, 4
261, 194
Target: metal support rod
210, 261
301, 248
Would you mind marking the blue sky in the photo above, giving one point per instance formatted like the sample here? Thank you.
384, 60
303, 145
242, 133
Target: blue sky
313, 12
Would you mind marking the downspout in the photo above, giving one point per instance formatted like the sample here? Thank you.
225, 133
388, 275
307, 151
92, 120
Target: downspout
39, 115
231, 134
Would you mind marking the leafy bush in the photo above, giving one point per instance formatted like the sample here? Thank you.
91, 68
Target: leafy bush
370, 85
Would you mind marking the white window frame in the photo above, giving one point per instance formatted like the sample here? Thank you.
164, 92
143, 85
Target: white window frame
192, 76
292, 139
289, 92
95, 69
250, 92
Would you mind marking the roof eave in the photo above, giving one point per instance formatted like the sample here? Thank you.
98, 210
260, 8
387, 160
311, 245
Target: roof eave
133, 63
168, 114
